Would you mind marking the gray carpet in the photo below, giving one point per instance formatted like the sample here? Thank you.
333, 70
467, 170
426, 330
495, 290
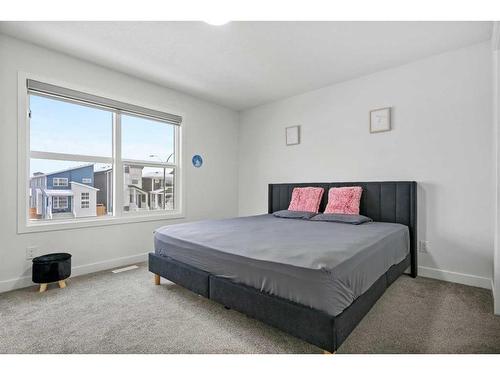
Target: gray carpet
127, 313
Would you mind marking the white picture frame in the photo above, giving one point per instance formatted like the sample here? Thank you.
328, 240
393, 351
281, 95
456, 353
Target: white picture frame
292, 134
380, 120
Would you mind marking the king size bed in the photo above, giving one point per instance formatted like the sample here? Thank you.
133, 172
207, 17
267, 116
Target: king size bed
313, 279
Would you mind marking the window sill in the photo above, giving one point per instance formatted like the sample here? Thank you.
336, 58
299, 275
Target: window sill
127, 218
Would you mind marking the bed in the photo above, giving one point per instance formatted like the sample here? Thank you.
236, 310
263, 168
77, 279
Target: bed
314, 280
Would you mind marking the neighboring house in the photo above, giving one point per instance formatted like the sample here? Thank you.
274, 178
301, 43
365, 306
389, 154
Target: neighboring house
144, 191
66, 193
156, 198
103, 180
153, 184
84, 200
134, 196
81, 192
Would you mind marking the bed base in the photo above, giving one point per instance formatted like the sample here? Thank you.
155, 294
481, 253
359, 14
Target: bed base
311, 325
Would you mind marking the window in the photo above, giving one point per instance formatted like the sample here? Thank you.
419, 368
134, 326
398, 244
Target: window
156, 191
58, 181
71, 136
85, 200
60, 203
149, 154
147, 140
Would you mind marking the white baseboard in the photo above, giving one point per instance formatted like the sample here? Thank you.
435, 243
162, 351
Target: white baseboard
23, 282
434, 273
455, 277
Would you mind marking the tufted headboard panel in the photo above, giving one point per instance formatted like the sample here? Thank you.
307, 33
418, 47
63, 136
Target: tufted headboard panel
388, 201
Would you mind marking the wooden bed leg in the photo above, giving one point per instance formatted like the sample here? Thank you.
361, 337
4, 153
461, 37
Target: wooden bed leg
157, 279
62, 284
43, 288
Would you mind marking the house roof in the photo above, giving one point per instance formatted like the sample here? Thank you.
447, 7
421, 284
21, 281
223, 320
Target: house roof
137, 188
158, 175
39, 174
160, 191
104, 170
58, 193
84, 185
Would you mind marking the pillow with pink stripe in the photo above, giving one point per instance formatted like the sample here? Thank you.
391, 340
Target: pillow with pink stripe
306, 199
344, 200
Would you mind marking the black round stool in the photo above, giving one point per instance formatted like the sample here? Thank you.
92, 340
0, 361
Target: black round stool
50, 268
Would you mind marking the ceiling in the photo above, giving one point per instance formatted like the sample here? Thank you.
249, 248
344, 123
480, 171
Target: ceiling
244, 64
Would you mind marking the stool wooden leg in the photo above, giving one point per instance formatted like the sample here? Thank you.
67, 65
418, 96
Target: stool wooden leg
327, 352
157, 279
43, 288
62, 284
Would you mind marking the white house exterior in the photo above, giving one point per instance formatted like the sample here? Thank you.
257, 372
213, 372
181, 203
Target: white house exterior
158, 189
147, 190
84, 200
135, 198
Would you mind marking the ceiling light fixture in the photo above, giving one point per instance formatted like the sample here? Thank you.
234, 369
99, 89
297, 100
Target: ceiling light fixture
217, 21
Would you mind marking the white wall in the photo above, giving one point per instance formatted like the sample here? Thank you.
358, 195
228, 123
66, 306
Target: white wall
211, 191
496, 126
442, 137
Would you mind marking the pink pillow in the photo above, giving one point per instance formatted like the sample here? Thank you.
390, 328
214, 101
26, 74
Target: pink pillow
306, 199
344, 200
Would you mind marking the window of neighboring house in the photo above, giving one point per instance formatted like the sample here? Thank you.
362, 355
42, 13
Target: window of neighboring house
58, 181
59, 203
74, 132
85, 200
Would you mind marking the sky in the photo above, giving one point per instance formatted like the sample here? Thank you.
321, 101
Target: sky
63, 127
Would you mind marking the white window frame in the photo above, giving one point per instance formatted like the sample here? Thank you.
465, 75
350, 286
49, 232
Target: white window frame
58, 200
61, 182
85, 200
25, 225
86, 180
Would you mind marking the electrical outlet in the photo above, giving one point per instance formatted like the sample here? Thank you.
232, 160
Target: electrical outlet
31, 252
423, 246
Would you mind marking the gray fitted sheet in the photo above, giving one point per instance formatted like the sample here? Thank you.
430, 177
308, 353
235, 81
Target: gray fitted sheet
323, 265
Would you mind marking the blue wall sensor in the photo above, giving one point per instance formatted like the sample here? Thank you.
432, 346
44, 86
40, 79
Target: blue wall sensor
197, 161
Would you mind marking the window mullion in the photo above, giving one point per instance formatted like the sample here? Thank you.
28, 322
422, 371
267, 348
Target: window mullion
117, 165
178, 172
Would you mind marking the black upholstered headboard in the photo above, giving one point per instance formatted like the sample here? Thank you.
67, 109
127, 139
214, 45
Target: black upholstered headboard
391, 201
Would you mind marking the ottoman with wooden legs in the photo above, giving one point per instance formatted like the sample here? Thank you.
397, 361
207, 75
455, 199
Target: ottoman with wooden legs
51, 268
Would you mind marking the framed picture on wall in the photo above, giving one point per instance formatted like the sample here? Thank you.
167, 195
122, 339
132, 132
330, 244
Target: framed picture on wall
380, 120
292, 135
